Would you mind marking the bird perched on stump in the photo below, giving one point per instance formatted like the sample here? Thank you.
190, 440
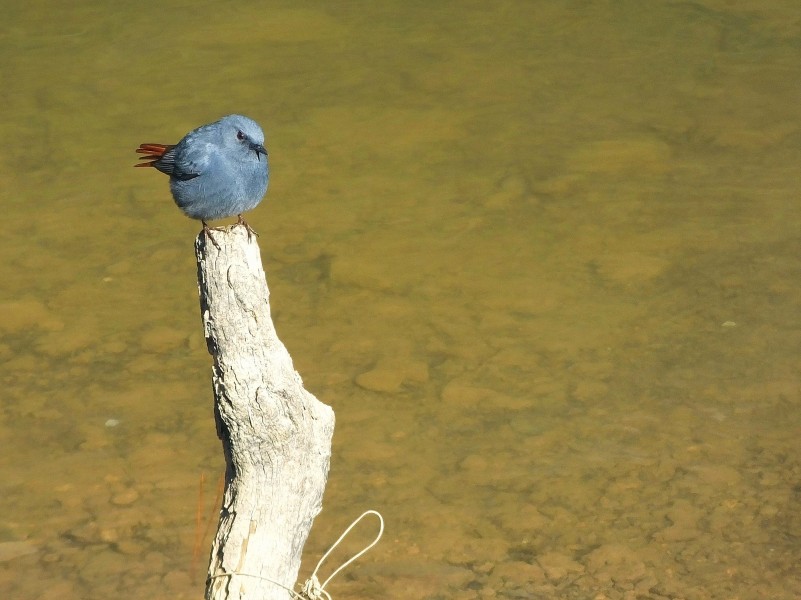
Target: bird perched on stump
216, 171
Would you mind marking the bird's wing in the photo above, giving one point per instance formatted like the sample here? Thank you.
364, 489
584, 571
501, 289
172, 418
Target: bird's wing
187, 161
167, 159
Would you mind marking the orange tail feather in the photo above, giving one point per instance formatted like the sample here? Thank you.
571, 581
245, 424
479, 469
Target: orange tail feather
151, 152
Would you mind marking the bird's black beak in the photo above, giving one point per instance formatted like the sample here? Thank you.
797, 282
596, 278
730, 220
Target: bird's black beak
258, 149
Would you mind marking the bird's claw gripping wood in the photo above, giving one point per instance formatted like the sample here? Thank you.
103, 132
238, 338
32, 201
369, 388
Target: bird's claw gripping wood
207, 231
248, 228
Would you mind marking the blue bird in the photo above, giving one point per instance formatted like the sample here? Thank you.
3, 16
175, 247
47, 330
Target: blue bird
216, 171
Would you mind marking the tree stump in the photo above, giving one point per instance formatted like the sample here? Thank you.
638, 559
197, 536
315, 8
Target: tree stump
276, 436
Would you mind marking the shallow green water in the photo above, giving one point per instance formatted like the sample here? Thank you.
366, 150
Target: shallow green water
542, 259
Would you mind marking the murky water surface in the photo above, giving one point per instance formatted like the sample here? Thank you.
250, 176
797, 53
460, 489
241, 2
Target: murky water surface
542, 258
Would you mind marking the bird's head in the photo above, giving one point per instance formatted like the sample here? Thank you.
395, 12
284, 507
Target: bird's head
243, 135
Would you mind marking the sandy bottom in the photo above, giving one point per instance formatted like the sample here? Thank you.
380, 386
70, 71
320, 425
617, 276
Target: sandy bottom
542, 261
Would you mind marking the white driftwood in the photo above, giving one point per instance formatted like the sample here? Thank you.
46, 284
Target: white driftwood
276, 436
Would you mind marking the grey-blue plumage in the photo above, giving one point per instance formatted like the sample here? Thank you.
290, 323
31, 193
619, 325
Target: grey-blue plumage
216, 171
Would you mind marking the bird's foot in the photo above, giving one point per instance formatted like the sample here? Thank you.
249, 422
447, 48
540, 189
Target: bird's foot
243, 223
207, 231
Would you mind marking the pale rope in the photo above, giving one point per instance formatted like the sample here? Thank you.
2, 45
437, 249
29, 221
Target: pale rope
312, 590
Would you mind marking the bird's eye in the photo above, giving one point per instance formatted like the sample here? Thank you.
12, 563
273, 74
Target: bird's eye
240, 136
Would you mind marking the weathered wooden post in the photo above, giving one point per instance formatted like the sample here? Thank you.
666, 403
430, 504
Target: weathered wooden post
276, 435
